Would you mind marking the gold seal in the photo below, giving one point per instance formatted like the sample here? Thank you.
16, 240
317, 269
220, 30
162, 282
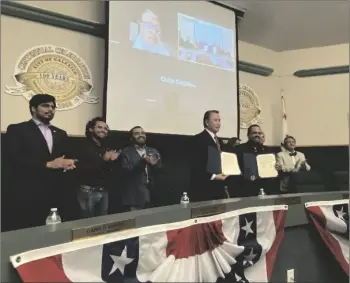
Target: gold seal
56, 71
249, 107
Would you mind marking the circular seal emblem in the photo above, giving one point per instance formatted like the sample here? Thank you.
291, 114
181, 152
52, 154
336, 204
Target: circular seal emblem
56, 71
249, 107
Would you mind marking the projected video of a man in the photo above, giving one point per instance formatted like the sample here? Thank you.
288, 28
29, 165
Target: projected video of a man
149, 34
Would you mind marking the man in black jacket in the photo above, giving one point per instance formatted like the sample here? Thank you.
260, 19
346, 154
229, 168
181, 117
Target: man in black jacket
138, 163
250, 183
36, 153
96, 163
205, 183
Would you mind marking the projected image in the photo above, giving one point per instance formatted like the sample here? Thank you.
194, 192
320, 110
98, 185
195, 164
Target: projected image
146, 34
205, 43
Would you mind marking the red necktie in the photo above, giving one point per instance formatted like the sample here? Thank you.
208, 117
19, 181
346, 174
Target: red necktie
217, 143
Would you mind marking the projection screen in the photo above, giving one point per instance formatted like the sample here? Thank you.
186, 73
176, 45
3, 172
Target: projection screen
169, 62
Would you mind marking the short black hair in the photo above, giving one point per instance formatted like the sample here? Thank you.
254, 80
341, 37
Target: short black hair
91, 124
38, 99
207, 116
289, 137
251, 127
133, 128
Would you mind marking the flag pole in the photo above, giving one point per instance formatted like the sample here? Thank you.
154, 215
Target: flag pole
284, 119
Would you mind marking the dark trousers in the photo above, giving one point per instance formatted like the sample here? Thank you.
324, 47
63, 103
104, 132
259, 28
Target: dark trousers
93, 201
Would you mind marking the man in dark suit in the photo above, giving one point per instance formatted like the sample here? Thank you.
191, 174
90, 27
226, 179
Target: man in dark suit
138, 162
205, 183
36, 153
250, 183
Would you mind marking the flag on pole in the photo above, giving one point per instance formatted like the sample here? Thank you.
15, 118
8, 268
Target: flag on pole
239, 246
284, 120
331, 219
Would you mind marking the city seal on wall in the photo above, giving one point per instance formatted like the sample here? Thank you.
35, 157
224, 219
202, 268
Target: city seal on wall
56, 71
249, 107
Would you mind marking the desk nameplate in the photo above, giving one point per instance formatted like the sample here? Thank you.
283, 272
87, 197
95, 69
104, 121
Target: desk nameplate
102, 229
208, 210
288, 201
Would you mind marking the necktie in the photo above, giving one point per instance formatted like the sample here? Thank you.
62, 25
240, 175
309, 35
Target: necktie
217, 144
293, 154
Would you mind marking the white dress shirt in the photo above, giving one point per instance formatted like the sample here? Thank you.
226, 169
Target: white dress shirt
291, 163
46, 131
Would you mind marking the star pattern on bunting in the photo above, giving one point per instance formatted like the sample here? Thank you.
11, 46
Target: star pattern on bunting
341, 213
248, 259
120, 262
248, 227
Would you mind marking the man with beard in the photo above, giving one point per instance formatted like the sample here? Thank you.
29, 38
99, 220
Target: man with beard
250, 182
36, 152
96, 163
138, 163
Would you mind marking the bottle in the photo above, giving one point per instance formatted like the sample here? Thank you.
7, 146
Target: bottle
261, 193
184, 199
53, 218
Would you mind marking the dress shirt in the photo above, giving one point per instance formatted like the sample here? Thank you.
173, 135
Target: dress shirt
46, 131
215, 140
142, 151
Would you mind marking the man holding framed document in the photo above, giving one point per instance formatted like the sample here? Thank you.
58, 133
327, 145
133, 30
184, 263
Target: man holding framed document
207, 176
257, 164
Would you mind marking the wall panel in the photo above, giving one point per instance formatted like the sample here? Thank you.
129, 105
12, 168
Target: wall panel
19, 35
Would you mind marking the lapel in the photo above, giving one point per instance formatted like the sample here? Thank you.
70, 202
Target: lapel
54, 139
209, 138
37, 135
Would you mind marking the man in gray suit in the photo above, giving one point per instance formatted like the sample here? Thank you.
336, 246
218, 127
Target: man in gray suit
288, 163
138, 163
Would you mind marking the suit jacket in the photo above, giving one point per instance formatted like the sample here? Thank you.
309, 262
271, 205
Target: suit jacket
27, 151
33, 189
202, 187
291, 163
243, 186
136, 190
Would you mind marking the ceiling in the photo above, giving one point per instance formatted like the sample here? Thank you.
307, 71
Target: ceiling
286, 25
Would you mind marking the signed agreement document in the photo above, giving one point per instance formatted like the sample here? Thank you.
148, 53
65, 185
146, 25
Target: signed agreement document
266, 165
229, 164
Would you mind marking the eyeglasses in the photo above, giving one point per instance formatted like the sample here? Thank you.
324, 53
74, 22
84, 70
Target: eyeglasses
149, 25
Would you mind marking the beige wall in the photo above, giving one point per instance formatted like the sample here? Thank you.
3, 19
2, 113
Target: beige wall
266, 88
19, 35
317, 107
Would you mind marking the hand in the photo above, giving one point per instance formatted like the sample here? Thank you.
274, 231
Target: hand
115, 155
303, 164
62, 163
220, 177
152, 159
278, 167
252, 178
111, 155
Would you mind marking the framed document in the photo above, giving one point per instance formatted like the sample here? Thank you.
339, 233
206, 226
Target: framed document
214, 161
266, 165
229, 164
